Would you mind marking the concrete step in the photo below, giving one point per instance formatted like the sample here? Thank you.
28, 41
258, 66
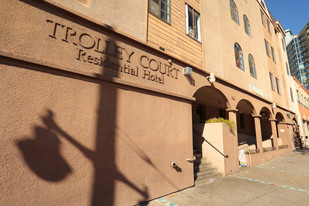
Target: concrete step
204, 179
203, 168
206, 171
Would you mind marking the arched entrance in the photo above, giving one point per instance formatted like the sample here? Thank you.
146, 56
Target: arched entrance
296, 135
281, 130
267, 141
246, 126
210, 103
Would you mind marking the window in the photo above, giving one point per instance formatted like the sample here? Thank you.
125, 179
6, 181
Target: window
283, 44
291, 94
272, 81
247, 25
297, 95
287, 68
239, 58
267, 48
263, 18
278, 86
268, 26
263, 4
234, 12
302, 99
193, 24
273, 54
252, 66
161, 9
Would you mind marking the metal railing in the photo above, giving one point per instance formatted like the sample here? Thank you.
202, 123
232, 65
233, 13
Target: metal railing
224, 155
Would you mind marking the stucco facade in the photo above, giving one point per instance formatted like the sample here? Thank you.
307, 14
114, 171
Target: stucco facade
94, 109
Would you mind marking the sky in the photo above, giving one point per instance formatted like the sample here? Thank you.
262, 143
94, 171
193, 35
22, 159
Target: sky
292, 14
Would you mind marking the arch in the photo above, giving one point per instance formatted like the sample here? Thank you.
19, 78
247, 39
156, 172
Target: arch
246, 125
247, 25
266, 127
239, 57
234, 11
252, 66
210, 102
280, 117
246, 107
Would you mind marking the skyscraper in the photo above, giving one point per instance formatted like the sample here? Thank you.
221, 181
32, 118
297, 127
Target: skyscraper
298, 54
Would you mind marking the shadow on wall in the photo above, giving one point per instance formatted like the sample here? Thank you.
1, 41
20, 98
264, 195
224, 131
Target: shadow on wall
42, 153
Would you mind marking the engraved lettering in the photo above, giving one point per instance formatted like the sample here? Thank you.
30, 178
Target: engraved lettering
153, 65
90, 40
142, 63
54, 29
69, 35
81, 55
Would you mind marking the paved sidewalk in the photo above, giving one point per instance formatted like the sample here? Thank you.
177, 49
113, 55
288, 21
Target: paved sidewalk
283, 181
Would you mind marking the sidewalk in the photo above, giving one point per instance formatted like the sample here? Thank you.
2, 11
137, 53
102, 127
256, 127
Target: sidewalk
283, 181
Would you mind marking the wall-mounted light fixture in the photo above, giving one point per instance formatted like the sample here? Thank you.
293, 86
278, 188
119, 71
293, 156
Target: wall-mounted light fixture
288, 113
304, 117
211, 78
273, 105
187, 71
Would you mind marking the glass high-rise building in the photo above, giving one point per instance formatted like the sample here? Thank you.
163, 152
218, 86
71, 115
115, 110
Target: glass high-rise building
298, 54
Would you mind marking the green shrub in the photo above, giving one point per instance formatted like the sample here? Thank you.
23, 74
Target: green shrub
220, 119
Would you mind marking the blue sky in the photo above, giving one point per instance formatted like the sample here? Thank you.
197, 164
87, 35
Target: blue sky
292, 14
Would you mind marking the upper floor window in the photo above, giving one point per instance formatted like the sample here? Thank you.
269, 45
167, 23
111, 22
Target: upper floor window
234, 11
302, 98
283, 44
161, 9
263, 18
273, 54
239, 58
247, 25
263, 4
268, 26
278, 86
252, 66
297, 95
267, 48
291, 94
271, 76
193, 23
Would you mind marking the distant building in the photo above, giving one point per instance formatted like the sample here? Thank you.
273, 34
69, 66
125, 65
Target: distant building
298, 54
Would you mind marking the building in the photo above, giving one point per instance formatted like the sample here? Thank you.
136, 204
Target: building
105, 102
297, 49
301, 96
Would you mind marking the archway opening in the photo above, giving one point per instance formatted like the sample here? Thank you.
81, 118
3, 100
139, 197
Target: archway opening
267, 141
210, 103
246, 126
281, 130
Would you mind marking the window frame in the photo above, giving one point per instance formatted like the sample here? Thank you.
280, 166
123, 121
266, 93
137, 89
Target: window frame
234, 12
252, 63
268, 26
199, 32
267, 47
241, 56
291, 94
272, 81
278, 85
247, 25
273, 54
263, 18
168, 14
